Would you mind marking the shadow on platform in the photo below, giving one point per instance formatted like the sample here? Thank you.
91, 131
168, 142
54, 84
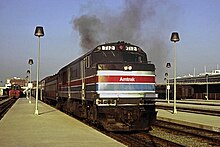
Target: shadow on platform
41, 113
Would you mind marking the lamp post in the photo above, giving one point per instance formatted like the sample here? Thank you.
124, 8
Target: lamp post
168, 65
27, 77
174, 38
166, 79
39, 32
30, 62
207, 86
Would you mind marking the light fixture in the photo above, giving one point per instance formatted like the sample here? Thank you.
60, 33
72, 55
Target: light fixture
39, 31
175, 37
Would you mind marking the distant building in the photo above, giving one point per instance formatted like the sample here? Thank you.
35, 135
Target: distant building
20, 81
203, 86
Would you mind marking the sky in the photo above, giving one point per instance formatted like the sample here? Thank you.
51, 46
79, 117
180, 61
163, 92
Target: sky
146, 23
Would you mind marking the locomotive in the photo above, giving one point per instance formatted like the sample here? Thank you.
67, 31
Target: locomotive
112, 85
15, 91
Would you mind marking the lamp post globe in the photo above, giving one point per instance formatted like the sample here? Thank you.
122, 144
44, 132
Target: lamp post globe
39, 31
30, 61
175, 37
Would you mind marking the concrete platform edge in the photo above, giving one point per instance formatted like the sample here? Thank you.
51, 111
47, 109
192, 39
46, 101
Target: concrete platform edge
200, 126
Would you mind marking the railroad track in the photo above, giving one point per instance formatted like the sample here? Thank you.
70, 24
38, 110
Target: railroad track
142, 139
185, 135
5, 106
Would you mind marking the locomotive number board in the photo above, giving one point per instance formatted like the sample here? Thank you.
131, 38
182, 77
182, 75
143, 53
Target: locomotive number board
120, 47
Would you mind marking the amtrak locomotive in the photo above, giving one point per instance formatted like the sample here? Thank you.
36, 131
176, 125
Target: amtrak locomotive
112, 85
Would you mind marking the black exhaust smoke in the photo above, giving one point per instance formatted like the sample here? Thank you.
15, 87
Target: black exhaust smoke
146, 23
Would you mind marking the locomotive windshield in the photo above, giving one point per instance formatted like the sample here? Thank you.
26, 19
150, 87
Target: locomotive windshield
119, 56
15, 87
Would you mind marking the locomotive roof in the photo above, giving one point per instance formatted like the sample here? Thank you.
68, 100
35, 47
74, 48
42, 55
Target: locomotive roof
108, 45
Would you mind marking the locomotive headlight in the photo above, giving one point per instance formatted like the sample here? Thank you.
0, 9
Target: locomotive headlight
129, 67
125, 67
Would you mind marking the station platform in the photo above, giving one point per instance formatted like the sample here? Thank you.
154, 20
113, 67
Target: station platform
51, 128
203, 121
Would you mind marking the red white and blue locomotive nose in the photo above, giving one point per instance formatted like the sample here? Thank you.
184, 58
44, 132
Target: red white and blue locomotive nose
114, 84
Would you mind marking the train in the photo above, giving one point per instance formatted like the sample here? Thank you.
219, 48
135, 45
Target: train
203, 86
112, 85
15, 91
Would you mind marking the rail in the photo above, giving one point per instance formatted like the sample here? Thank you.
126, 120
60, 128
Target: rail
3, 97
5, 106
142, 139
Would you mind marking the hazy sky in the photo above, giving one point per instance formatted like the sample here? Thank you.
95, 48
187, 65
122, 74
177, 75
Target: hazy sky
146, 23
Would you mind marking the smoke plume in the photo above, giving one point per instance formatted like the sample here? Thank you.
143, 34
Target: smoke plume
89, 28
139, 22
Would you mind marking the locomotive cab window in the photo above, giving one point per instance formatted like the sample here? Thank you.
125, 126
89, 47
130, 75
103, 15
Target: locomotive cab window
134, 57
88, 61
119, 56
